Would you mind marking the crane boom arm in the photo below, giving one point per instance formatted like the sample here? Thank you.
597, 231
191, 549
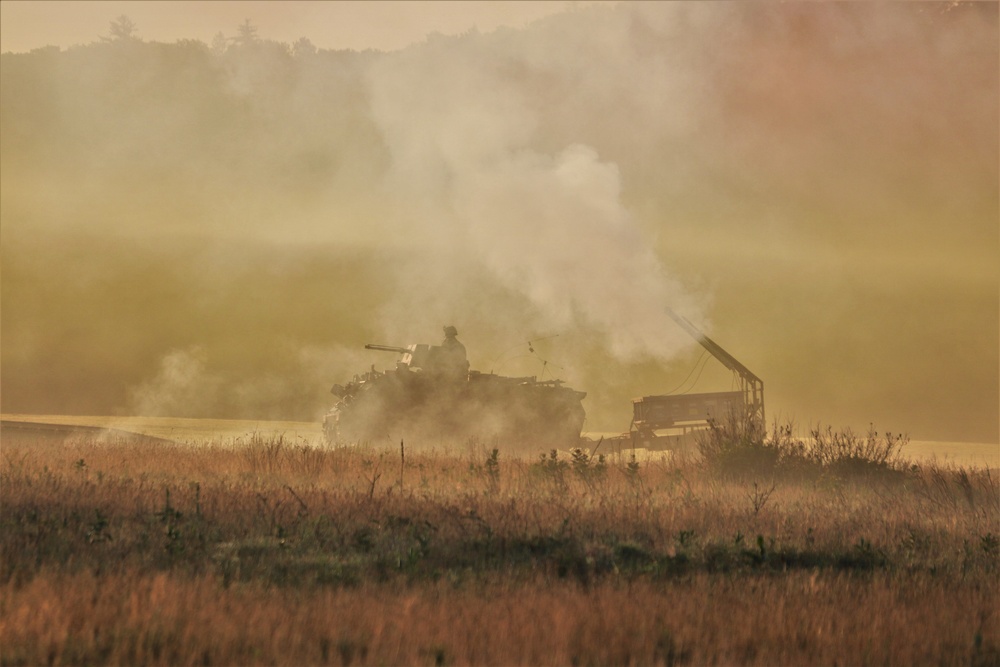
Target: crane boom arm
751, 385
727, 360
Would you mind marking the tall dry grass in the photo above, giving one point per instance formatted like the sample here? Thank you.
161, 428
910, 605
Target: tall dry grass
271, 551
796, 618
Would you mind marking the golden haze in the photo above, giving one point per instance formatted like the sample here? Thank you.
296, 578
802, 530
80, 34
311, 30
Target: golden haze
204, 233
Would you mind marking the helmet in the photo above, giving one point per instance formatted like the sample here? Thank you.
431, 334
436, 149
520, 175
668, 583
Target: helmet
450, 331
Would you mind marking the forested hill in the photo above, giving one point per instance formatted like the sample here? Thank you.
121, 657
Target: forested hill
147, 121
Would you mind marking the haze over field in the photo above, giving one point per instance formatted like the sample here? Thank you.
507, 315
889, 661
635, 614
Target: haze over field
216, 229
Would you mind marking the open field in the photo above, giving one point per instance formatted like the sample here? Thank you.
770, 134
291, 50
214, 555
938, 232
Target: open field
202, 431
268, 550
177, 430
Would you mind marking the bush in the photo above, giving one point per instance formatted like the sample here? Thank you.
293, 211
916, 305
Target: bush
846, 451
738, 445
741, 446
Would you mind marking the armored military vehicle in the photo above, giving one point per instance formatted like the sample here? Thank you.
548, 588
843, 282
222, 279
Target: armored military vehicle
431, 398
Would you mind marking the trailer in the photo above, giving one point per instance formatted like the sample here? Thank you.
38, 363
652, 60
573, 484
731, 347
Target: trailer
671, 421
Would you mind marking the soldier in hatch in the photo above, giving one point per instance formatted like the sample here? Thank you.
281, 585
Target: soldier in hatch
453, 357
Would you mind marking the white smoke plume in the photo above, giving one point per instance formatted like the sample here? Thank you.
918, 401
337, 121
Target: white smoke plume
190, 382
182, 386
550, 226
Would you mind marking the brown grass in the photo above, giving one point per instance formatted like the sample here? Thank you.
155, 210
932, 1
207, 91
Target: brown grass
265, 551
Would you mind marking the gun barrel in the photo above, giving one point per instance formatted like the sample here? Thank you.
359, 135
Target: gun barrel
386, 348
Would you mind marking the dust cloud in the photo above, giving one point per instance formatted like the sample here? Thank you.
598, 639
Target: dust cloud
201, 230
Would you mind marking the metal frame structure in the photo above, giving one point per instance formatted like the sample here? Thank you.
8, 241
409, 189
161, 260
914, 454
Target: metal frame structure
684, 414
751, 386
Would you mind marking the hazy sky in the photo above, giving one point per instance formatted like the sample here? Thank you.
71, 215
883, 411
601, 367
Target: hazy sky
383, 26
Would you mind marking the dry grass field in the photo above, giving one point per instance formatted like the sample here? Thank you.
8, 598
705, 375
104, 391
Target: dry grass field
270, 550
